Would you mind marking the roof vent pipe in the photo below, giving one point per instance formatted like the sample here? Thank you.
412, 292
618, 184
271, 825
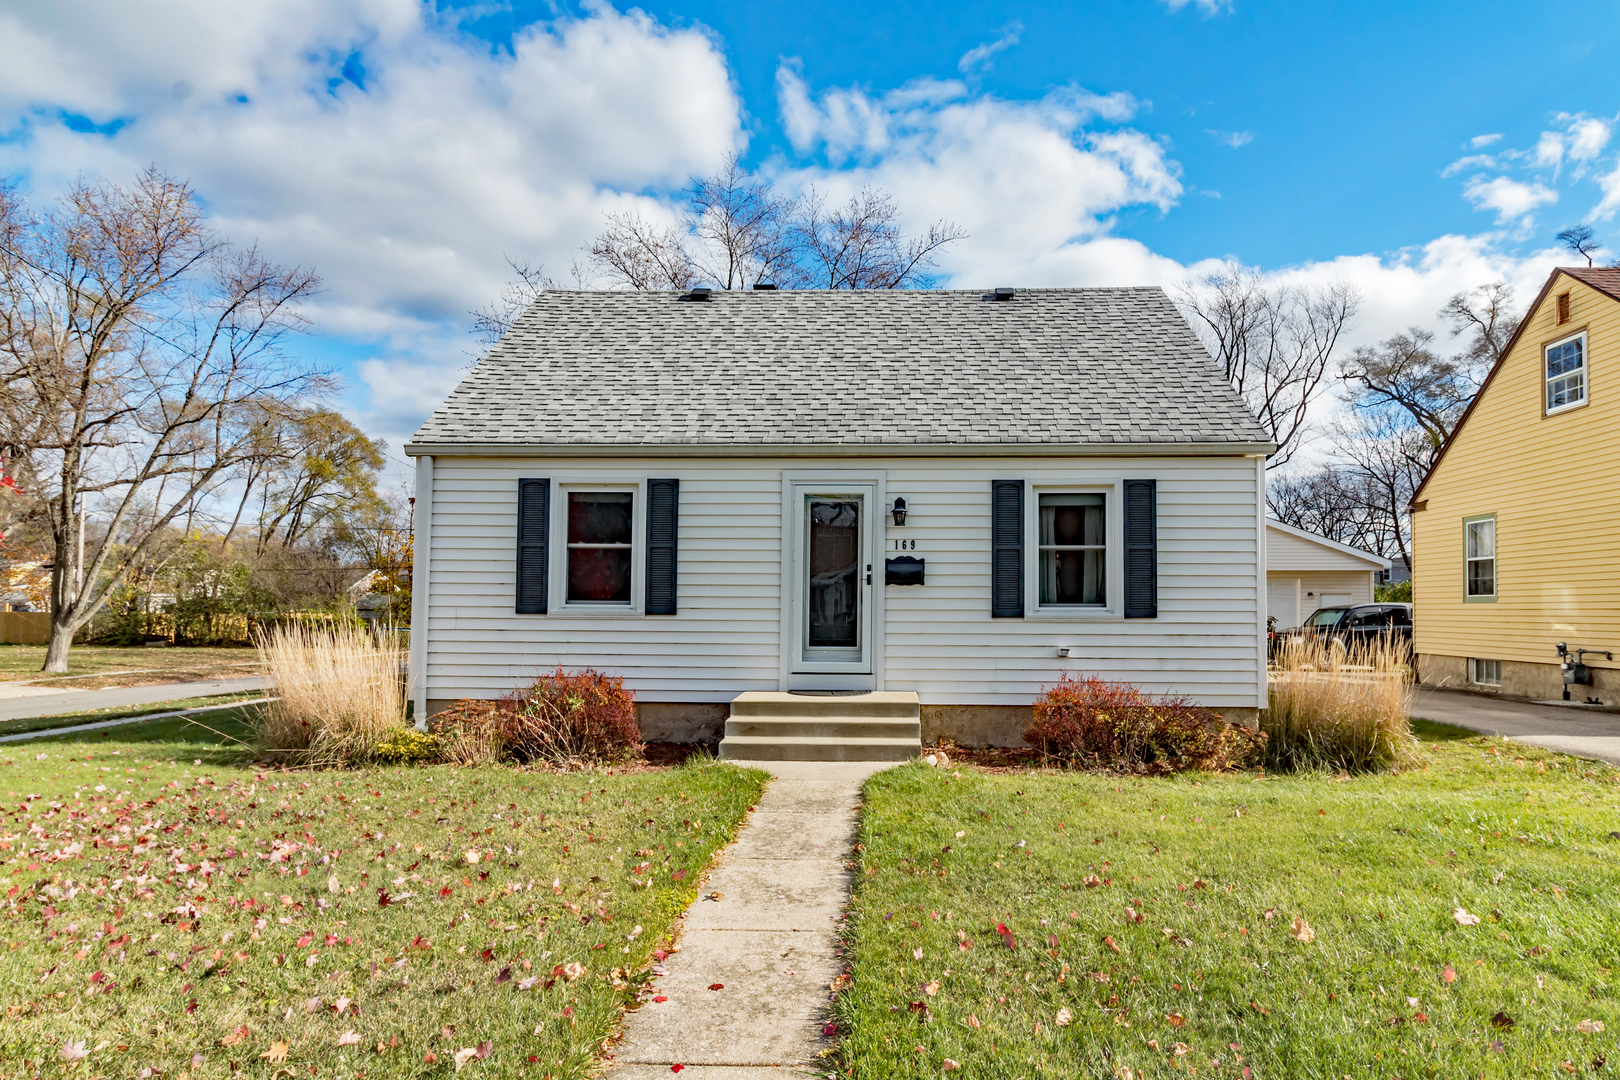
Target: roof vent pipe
765, 286
699, 294
1003, 292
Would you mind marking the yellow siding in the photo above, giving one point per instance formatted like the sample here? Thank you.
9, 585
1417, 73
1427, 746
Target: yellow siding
1553, 483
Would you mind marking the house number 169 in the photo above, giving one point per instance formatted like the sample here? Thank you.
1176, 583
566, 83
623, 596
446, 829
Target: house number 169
905, 545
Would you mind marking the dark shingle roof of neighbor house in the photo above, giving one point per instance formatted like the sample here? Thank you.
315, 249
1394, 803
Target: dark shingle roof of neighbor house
802, 368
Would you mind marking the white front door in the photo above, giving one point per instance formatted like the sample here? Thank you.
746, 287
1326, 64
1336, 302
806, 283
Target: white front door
830, 584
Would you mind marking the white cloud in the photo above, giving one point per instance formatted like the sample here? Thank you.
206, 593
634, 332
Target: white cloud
1610, 186
1234, 139
1208, 7
1511, 199
1472, 161
1587, 138
1548, 152
406, 192
1479, 141
978, 58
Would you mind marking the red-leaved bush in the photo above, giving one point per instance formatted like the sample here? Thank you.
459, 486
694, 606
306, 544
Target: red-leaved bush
572, 717
1092, 723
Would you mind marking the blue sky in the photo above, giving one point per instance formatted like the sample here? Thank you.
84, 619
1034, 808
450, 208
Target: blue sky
1412, 150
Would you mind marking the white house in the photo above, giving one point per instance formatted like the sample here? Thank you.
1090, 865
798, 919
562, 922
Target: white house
1305, 572
948, 498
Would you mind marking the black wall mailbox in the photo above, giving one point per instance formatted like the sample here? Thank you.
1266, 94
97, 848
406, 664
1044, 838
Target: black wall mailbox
903, 570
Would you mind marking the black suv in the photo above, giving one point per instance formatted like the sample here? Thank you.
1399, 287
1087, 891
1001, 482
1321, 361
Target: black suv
1356, 623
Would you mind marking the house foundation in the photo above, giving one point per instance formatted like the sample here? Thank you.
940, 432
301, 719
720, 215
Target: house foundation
1536, 682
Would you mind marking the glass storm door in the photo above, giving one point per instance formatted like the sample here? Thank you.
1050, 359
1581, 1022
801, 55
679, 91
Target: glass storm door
833, 571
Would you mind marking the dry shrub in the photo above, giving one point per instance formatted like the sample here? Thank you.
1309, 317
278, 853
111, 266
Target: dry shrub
1092, 723
469, 732
338, 694
572, 719
1339, 707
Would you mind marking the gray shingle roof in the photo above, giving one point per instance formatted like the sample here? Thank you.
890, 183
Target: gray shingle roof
937, 367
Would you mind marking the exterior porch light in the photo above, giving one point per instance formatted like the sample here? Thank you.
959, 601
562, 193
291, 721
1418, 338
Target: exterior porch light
899, 511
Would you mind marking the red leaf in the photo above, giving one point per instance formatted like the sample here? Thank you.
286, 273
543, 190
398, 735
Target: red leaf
676, 1068
1109, 941
1007, 938
488, 955
305, 940
444, 892
1449, 975
717, 986
660, 999
383, 899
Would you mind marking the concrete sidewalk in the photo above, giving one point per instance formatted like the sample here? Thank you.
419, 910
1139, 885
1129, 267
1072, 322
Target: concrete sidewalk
770, 939
1587, 733
124, 697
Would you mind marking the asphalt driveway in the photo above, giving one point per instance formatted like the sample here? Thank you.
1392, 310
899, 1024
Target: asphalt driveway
69, 701
1587, 733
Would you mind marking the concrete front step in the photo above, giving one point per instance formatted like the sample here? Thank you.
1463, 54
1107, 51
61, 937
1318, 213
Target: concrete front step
840, 728
767, 726
878, 704
816, 748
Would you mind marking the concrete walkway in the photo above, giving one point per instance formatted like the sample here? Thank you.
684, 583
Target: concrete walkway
123, 697
770, 939
1588, 733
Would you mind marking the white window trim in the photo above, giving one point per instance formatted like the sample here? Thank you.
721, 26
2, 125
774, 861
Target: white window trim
1113, 563
1468, 522
1585, 370
1474, 666
559, 550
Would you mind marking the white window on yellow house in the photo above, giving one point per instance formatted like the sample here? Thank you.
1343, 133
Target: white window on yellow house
1484, 672
1479, 557
1566, 373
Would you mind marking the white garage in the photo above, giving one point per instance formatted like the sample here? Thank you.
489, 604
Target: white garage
1305, 572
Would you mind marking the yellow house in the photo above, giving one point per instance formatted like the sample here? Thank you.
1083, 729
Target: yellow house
1516, 529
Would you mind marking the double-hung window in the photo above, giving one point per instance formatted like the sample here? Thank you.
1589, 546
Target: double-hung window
1479, 558
1073, 549
601, 537
1566, 373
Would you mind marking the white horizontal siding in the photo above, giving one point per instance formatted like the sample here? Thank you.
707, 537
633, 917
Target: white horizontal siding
938, 640
1285, 551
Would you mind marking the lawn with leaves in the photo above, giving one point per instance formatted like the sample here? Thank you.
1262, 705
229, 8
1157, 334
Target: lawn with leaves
1459, 919
170, 908
96, 666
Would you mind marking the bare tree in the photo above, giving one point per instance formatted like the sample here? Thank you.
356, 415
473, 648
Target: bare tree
640, 254
137, 352
859, 245
736, 231
1581, 239
491, 323
742, 228
1275, 344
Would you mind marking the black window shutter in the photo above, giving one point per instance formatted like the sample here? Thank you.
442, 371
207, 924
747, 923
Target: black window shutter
1141, 550
534, 520
1007, 549
663, 511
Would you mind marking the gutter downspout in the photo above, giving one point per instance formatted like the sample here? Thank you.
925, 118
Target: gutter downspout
421, 560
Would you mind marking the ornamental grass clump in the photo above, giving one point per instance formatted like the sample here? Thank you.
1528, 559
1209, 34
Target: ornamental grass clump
338, 694
1339, 707
1093, 723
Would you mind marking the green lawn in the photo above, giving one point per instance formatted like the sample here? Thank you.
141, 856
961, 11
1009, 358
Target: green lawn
90, 716
1152, 922
172, 909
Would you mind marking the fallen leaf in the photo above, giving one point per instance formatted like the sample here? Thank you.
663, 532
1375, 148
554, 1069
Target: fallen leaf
1301, 930
466, 1053
573, 971
1271, 913
916, 954
235, 1037
530, 983
1092, 881
948, 1064
1589, 1027
1064, 1017
676, 1068
277, 1052
1502, 1021
1449, 975
1176, 1019
341, 1005
660, 999
829, 1029
932, 988
349, 1038
73, 1051
1463, 918
973, 1022
717, 986
1109, 941
1007, 938
1181, 1049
